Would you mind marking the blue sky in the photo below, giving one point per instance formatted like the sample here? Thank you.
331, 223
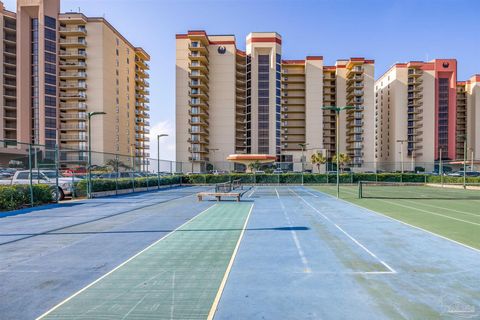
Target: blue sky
386, 31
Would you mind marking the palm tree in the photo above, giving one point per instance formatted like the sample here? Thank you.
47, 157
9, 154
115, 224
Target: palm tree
254, 166
318, 159
343, 159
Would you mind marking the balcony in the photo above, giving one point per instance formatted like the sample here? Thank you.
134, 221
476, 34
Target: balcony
73, 85
73, 43
142, 64
196, 74
73, 31
198, 112
141, 114
73, 64
202, 132
198, 122
72, 54
73, 137
73, 96
198, 84
196, 56
73, 127
73, 116
198, 47
73, 106
73, 75
415, 72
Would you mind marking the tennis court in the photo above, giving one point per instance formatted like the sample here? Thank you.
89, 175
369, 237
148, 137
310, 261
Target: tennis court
448, 211
289, 252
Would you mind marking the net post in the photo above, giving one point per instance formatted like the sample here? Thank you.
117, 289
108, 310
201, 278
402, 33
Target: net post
360, 190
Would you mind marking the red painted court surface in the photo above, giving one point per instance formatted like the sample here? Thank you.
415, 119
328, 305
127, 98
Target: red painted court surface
281, 253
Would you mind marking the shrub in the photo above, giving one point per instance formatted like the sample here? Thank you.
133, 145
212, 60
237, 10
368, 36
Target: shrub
16, 197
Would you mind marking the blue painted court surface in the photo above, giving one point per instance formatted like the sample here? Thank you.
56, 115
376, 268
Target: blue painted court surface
282, 253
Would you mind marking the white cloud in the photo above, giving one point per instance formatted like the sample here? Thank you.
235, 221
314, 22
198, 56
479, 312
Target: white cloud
167, 144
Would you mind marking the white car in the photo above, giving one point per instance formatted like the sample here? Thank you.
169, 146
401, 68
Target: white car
65, 184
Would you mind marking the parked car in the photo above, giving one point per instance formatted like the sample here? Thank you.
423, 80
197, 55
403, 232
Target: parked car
259, 172
65, 184
278, 171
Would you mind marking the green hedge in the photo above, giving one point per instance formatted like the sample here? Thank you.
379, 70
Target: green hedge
315, 178
99, 185
17, 197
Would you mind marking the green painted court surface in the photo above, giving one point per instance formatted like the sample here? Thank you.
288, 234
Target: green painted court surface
177, 277
452, 213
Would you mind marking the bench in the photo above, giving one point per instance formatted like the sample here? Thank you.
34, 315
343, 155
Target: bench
219, 195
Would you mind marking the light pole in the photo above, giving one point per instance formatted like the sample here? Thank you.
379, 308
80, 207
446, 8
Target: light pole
337, 147
89, 117
441, 166
401, 153
465, 151
158, 151
213, 162
303, 145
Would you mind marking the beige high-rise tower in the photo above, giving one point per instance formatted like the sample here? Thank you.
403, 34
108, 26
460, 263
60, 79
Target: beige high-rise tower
59, 67
229, 101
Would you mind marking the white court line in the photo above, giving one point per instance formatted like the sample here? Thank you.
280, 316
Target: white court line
121, 265
347, 234
172, 307
397, 220
251, 193
216, 301
430, 212
425, 211
441, 208
295, 237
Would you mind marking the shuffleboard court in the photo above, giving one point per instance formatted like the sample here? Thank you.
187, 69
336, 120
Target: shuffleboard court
177, 277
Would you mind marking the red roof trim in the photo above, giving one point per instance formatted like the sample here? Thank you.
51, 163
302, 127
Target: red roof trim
222, 42
269, 39
181, 36
314, 58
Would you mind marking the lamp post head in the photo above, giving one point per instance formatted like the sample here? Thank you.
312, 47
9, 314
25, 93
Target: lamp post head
162, 135
94, 113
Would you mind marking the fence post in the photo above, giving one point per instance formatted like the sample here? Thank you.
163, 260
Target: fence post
56, 173
30, 174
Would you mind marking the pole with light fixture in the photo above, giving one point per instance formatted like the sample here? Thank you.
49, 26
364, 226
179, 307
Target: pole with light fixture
337, 126
89, 117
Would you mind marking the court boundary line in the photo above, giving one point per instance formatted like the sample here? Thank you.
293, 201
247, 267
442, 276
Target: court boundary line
300, 251
218, 296
397, 220
392, 271
121, 265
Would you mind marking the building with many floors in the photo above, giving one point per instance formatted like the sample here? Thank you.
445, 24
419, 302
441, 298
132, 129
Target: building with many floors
57, 67
254, 101
422, 113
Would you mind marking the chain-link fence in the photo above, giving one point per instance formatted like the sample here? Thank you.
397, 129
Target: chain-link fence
47, 173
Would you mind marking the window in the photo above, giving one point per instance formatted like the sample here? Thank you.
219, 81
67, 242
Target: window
50, 46
50, 112
51, 90
50, 68
50, 22
50, 101
50, 79
50, 34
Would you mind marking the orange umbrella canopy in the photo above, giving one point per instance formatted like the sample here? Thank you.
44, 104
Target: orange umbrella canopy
247, 158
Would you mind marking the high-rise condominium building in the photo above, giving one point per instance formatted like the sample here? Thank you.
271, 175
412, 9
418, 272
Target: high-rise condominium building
58, 67
422, 113
232, 101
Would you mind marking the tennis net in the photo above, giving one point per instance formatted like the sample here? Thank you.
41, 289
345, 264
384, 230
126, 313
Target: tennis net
228, 186
414, 190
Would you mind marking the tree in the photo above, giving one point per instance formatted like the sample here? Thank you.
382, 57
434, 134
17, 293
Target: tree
318, 159
116, 164
343, 159
254, 166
